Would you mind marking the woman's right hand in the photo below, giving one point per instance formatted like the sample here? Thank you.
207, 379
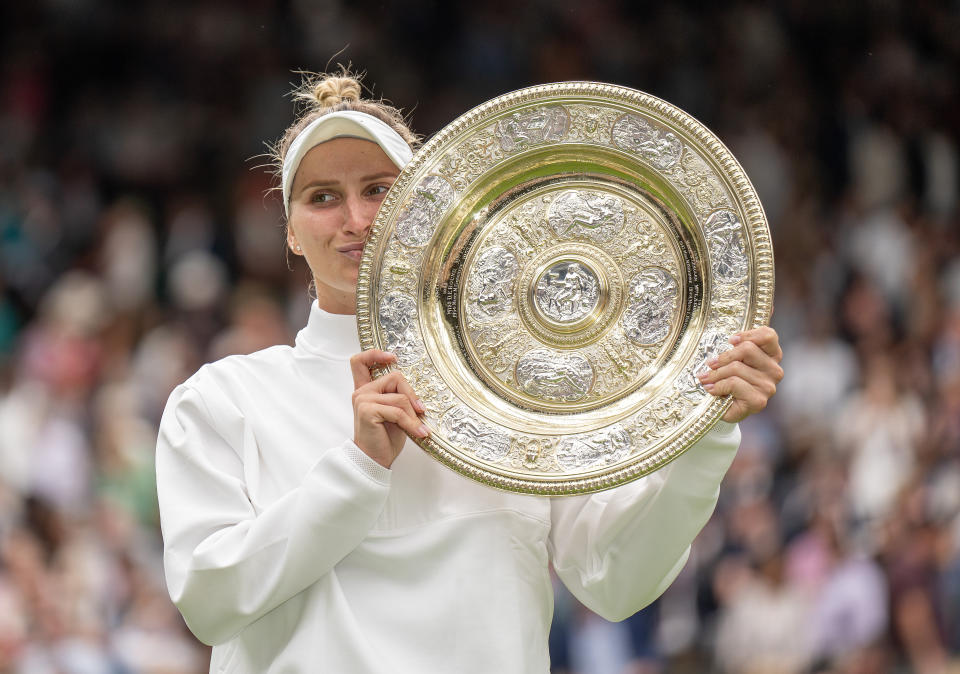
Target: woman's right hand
385, 410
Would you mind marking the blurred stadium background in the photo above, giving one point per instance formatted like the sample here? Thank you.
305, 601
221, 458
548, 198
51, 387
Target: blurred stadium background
138, 241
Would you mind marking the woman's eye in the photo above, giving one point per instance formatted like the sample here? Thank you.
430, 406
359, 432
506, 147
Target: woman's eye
379, 189
322, 197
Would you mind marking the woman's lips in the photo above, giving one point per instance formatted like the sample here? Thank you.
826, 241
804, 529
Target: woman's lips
354, 252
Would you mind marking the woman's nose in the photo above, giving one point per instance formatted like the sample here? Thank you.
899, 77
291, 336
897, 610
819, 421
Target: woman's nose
358, 217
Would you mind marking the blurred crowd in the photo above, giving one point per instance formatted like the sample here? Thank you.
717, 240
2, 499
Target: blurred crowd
139, 239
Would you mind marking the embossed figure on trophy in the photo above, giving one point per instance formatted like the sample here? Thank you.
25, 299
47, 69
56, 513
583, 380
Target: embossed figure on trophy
465, 430
661, 416
579, 212
427, 204
434, 394
559, 382
653, 302
620, 358
570, 292
711, 345
495, 271
554, 376
567, 291
398, 314
564, 292
531, 449
523, 129
632, 251
497, 348
725, 242
662, 149
468, 431
700, 184
585, 451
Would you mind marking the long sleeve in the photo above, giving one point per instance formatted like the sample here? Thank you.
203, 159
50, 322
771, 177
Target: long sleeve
229, 561
618, 550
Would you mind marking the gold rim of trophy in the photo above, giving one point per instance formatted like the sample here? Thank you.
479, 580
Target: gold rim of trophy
552, 270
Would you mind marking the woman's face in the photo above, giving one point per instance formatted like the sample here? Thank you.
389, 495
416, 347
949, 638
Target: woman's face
335, 196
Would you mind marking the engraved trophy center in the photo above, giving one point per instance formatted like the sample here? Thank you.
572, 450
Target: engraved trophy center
566, 292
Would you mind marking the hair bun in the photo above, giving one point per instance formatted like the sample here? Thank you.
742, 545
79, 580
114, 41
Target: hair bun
321, 94
333, 90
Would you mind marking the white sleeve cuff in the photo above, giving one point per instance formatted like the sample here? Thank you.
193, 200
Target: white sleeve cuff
365, 464
723, 428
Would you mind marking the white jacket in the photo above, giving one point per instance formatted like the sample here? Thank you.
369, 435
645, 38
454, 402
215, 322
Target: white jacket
289, 550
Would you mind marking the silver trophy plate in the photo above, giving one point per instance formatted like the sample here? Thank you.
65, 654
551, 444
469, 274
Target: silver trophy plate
552, 271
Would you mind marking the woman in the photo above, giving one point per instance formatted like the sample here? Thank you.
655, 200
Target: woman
304, 532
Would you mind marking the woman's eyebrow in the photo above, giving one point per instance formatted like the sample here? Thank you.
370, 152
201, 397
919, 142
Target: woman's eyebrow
318, 183
379, 176
363, 179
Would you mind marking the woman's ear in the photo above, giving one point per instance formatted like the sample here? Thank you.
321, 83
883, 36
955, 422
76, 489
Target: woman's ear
292, 242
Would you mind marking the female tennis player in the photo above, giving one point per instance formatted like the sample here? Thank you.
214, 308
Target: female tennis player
304, 532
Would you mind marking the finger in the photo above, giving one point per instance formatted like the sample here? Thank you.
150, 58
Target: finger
377, 413
394, 399
361, 363
749, 398
759, 379
736, 413
752, 355
394, 382
765, 337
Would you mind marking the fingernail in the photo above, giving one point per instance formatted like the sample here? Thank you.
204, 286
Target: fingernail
703, 375
708, 387
423, 431
418, 404
736, 339
713, 362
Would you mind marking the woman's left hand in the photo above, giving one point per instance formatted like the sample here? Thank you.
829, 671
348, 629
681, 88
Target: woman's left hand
749, 372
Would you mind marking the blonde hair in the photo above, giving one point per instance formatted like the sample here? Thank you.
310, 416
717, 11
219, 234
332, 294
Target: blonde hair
320, 94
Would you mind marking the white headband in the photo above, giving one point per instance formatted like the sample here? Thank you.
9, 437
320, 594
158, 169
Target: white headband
346, 123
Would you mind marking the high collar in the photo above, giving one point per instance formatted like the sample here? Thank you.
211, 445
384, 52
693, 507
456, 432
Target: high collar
330, 335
